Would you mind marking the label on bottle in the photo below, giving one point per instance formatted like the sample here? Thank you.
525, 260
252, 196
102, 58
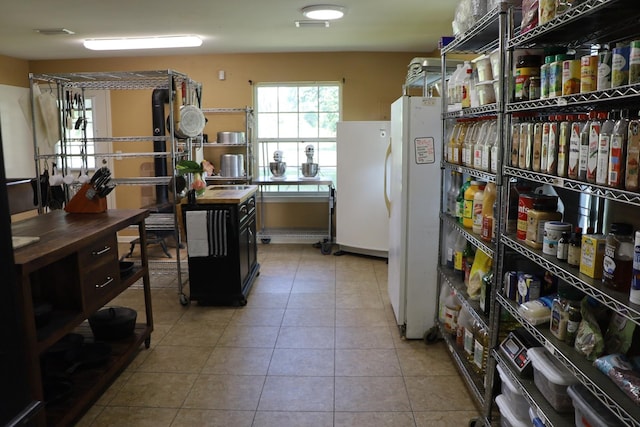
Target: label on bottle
609, 264
602, 169
494, 159
468, 210
592, 157
477, 157
458, 261
616, 157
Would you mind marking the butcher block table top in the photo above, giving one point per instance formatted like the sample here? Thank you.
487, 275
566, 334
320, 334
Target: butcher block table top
229, 194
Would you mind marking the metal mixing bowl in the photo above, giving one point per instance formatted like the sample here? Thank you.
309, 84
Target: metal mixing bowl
309, 170
278, 168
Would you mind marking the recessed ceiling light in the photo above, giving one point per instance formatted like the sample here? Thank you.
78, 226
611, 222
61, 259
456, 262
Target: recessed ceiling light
159, 42
323, 12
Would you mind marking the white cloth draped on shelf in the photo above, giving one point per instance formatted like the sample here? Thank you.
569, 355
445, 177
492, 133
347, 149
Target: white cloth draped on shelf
207, 233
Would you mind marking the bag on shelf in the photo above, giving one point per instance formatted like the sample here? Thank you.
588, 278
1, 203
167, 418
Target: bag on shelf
621, 371
589, 339
481, 266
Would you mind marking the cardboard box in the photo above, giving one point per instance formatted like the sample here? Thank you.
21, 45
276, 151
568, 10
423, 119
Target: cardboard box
592, 255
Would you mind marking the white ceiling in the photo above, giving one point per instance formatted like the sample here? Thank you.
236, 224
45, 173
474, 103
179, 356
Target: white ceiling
227, 26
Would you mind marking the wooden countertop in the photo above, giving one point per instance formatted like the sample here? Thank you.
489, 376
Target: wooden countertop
227, 194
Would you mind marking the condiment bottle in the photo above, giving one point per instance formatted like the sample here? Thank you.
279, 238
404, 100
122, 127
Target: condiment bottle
458, 255
485, 293
554, 136
453, 136
563, 247
515, 144
526, 137
618, 257
466, 89
479, 143
527, 66
537, 145
467, 216
452, 194
617, 150
480, 350
487, 146
560, 310
584, 146
594, 141
563, 144
478, 200
545, 70
632, 162
575, 317
460, 200
575, 249
604, 146
544, 146
574, 146
451, 311
487, 211
469, 341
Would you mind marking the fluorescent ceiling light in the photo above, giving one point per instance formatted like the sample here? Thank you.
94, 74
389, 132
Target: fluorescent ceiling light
323, 12
159, 42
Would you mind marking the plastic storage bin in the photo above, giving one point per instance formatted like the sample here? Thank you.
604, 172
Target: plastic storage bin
535, 420
589, 410
519, 405
507, 417
552, 379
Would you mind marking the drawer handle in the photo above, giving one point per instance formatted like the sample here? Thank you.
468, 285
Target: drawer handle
243, 209
102, 251
109, 280
252, 202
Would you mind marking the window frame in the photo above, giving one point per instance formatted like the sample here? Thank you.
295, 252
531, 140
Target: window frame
264, 146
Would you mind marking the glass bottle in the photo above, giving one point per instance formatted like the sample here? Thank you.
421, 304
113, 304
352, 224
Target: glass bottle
468, 255
469, 339
458, 255
452, 194
618, 257
485, 293
575, 317
575, 248
563, 247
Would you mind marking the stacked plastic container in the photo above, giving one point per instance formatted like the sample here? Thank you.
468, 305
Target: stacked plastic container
552, 379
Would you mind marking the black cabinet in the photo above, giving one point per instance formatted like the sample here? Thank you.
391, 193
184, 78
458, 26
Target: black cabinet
225, 278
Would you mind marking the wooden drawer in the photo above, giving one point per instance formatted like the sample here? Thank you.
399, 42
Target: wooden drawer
99, 273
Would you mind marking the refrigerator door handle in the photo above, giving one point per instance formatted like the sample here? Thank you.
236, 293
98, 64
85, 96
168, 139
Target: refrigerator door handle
387, 201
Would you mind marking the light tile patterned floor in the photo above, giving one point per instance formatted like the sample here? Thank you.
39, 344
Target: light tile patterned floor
316, 345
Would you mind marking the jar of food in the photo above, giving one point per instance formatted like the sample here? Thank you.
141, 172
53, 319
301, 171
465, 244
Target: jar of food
526, 201
563, 309
536, 220
534, 87
527, 66
620, 65
575, 248
570, 76
618, 257
575, 317
588, 73
552, 234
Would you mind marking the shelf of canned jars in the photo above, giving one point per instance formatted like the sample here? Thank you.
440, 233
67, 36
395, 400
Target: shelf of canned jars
595, 381
617, 301
590, 22
533, 396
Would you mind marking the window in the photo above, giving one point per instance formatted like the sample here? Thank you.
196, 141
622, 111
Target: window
289, 117
76, 147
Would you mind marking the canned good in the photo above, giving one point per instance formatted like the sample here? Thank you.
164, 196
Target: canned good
634, 62
525, 202
620, 66
604, 70
534, 88
570, 77
588, 73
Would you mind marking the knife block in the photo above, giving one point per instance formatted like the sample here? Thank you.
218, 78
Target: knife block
80, 204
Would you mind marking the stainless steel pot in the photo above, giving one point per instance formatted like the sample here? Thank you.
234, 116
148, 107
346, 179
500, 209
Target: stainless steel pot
229, 165
231, 138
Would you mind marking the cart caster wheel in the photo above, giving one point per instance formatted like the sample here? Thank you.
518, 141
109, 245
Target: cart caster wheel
183, 299
432, 335
147, 342
325, 248
265, 241
240, 302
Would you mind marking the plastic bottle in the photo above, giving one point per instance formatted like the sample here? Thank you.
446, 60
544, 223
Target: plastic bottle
477, 146
594, 141
459, 83
537, 145
468, 214
487, 211
563, 247
526, 136
515, 144
604, 147
564, 143
493, 156
465, 321
451, 88
554, 136
452, 194
453, 136
544, 146
618, 257
487, 146
460, 200
634, 294
574, 146
466, 89
458, 257
617, 149
458, 143
478, 200
450, 250
467, 145
584, 146
451, 311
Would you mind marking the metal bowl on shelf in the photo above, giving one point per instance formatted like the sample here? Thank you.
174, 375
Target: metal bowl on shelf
277, 168
309, 170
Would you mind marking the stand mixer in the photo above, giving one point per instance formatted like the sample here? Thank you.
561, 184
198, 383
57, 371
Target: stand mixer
309, 169
277, 167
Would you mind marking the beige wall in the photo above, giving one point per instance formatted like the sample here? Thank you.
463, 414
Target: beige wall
14, 72
371, 82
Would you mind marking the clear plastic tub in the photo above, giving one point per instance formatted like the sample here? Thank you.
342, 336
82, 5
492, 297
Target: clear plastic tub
486, 95
552, 379
519, 405
483, 68
494, 57
589, 410
535, 420
507, 417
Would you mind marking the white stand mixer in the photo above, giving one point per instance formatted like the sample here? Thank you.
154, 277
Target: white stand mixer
309, 169
277, 167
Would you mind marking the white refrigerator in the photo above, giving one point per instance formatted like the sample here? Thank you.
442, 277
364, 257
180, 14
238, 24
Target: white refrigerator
414, 195
362, 217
